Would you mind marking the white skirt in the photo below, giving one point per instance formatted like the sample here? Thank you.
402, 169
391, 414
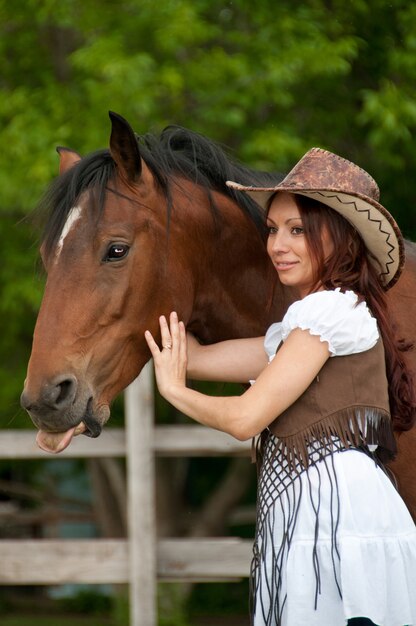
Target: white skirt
337, 543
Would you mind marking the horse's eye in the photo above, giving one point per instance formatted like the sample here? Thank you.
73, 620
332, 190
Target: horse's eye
116, 252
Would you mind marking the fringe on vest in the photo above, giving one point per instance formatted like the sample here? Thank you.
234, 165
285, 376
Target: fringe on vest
353, 427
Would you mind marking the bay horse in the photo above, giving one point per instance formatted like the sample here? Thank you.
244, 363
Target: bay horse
136, 231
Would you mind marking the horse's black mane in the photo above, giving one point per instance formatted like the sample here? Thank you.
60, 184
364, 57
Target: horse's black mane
176, 152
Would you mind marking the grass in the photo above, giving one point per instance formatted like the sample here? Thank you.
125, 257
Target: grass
30, 620
76, 620
209, 606
87, 607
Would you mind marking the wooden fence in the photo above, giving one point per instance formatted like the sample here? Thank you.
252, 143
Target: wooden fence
140, 559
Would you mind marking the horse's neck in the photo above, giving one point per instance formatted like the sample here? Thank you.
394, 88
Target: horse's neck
227, 313
236, 291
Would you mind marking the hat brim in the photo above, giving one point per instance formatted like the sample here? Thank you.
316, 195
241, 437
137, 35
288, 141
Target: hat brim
375, 224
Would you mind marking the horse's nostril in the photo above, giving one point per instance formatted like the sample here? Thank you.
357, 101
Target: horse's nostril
58, 394
65, 390
61, 394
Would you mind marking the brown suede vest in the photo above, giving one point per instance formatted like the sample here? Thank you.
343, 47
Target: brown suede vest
348, 400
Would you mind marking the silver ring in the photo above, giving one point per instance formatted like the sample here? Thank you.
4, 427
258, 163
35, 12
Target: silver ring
168, 346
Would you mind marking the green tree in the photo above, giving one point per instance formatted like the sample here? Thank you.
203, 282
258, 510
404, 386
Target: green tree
269, 80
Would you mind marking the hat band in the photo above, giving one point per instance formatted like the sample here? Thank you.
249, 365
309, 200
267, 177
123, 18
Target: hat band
366, 220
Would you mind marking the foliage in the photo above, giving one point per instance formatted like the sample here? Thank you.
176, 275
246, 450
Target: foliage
220, 599
267, 80
86, 608
86, 602
171, 610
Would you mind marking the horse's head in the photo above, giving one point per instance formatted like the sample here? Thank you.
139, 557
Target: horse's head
109, 276
135, 232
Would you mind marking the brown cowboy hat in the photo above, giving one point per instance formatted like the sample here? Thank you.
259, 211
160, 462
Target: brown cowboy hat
352, 192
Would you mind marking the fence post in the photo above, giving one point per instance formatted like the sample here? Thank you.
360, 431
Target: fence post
139, 415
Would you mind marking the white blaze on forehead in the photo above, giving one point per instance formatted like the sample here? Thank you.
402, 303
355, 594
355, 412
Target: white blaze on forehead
73, 216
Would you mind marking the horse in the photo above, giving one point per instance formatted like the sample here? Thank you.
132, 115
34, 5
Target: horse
138, 230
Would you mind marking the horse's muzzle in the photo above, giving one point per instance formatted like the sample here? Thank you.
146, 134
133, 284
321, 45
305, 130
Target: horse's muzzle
58, 395
60, 403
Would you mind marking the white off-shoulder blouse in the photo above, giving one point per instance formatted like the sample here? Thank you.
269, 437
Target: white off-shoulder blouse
336, 317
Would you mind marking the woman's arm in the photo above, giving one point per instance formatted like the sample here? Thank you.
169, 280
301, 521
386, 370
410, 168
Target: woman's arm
233, 361
289, 374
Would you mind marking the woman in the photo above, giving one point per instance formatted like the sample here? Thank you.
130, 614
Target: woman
334, 541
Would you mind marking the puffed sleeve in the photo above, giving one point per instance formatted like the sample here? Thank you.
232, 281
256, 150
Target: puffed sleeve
272, 339
336, 318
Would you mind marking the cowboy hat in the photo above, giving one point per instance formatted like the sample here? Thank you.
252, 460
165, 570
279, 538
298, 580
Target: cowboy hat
352, 192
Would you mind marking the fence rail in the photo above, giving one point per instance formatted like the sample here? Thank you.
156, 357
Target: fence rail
170, 441
59, 561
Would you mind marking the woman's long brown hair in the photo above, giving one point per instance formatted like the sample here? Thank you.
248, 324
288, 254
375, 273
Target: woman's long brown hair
349, 267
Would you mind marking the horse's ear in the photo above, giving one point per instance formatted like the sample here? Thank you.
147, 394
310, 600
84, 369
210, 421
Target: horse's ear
67, 158
124, 148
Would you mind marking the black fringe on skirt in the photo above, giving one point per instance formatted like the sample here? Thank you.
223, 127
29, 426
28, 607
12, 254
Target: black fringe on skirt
280, 484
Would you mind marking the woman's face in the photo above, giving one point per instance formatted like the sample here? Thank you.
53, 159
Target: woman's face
287, 245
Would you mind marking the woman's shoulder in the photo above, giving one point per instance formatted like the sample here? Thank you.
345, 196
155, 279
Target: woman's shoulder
337, 317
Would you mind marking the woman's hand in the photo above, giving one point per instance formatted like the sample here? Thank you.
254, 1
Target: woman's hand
171, 361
